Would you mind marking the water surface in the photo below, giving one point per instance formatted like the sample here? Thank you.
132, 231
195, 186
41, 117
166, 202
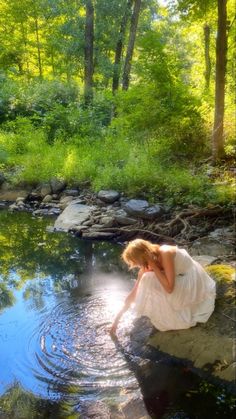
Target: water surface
58, 295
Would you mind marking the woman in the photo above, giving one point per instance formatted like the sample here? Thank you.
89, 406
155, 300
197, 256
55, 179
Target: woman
172, 289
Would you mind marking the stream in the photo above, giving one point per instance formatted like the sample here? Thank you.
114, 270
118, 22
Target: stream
58, 296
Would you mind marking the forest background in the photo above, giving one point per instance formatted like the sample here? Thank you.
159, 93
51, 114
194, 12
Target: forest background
131, 95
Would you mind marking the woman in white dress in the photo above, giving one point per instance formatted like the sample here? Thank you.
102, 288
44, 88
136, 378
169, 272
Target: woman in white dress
172, 289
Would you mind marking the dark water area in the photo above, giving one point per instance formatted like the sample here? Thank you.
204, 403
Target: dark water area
58, 295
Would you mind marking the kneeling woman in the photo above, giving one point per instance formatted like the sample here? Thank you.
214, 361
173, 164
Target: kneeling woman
172, 289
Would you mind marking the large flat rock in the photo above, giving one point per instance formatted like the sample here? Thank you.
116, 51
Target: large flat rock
73, 216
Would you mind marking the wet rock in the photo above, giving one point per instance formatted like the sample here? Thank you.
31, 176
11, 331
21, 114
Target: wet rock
43, 190
34, 197
13, 207
20, 199
212, 247
136, 207
71, 192
65, 201
78, 230
204, 260
20, 204
134, 408
140, 208
122, 218
73, 215
152, 212
97, 235
109, 196
57, 185
201, 348
95, 410
107, 221
46, 211
47, 199
227, 234
88, 223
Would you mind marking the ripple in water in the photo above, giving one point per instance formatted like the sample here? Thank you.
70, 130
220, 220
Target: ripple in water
73, 350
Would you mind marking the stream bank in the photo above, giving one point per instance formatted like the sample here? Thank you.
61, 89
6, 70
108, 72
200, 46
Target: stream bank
207, 233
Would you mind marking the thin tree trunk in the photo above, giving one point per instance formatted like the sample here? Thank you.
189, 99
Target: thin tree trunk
38, 48
52, 62
221, 53
88, 53
207, 31
119, 46
130, 48
24, 38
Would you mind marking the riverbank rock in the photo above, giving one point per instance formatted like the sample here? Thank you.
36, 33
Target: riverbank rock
219, 242
122, 218
132, 408
141, 209
208, 347
57, 185
108, 196
73, 215
13, 194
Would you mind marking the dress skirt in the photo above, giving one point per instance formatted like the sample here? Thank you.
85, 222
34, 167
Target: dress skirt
192, 300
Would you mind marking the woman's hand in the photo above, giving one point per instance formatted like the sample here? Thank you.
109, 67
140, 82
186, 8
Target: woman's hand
113, 329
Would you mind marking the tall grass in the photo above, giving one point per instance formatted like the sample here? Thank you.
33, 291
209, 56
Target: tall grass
139, 170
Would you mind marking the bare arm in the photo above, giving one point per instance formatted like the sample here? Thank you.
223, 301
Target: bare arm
167, 276
128, 301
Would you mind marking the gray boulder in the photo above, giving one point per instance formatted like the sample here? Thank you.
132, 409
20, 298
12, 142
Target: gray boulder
136, 207
140, 209
122, 218
47, 198
109, 196
71, 192
57, 185
44, 189
65, 201
212, 247
73, 215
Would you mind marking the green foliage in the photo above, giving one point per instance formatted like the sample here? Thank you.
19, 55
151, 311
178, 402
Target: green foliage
146, 112
34, 99
7, 298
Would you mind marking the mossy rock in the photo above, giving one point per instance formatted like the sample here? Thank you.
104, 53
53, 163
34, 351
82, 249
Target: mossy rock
221, 273
224, 275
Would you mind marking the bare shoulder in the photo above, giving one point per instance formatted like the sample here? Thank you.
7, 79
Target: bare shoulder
167, 249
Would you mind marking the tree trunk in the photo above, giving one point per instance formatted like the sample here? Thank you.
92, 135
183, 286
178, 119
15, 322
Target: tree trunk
119, 46
130, 48
207, 73
38, 48
88, 53
221, 52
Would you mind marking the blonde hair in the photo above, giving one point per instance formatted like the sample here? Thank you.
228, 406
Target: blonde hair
138, 253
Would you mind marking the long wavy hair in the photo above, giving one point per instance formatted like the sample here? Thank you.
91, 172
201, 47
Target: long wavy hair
139, 252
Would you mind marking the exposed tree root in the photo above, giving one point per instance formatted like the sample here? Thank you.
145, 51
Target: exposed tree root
184, 227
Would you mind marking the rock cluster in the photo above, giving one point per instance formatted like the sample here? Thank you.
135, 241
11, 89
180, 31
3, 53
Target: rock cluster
84, 213
106, 215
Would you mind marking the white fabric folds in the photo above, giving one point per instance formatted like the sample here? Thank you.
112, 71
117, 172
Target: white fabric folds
192, 300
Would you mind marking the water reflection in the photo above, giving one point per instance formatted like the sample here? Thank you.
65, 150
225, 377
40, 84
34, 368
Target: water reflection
58, 294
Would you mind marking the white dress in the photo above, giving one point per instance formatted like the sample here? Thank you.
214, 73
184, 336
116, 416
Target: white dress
192, 300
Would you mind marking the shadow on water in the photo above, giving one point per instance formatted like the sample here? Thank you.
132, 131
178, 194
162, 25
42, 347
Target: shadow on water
171, 389
58, 294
